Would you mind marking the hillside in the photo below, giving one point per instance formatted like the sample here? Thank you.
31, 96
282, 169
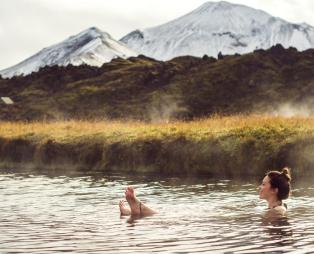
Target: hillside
264, 81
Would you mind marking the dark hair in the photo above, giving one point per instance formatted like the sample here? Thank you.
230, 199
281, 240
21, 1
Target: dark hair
281, 181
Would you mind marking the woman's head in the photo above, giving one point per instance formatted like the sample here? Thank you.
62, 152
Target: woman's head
276, 184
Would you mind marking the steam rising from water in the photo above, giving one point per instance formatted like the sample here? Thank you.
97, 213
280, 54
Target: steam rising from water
290, 110
164, 108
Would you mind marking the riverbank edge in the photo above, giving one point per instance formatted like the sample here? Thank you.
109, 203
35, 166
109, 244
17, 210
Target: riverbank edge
224, 156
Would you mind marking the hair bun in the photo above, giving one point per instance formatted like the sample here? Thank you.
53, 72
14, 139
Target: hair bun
286, 172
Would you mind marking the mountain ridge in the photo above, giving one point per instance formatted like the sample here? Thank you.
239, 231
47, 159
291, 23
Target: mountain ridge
91, 46
209, 29
272, 81
219, 27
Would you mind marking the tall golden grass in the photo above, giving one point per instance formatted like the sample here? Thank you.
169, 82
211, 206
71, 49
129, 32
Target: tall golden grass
219, 146
216, 126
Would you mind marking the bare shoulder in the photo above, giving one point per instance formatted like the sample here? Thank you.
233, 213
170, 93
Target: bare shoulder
275, 212
280, 209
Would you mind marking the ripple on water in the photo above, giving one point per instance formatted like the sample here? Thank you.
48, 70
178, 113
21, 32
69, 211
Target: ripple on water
41, 214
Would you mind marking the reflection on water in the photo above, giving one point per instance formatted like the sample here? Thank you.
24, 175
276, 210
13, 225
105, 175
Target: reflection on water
49, 214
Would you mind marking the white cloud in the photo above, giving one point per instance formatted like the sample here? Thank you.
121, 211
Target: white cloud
27, 26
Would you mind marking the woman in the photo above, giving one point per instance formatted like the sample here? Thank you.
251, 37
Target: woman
136, 206
274, 189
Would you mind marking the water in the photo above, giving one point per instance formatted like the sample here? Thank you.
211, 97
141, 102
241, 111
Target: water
52, 214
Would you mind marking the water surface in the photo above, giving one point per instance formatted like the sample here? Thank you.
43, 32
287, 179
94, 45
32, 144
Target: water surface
50, 214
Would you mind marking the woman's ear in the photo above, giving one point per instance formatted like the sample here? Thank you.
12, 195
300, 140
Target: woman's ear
275, 190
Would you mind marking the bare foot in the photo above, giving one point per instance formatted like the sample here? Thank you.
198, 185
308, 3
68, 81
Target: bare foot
124, 210
134, 203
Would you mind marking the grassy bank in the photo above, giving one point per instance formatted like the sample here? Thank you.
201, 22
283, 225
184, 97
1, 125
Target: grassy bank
218, 146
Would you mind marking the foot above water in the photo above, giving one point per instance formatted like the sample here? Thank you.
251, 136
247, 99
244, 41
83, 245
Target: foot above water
123, 209
133, 202
137, 208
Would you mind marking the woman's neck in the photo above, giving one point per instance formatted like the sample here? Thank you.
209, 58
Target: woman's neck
273, 202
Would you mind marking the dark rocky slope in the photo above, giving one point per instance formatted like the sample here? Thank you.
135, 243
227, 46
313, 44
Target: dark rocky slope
146, 89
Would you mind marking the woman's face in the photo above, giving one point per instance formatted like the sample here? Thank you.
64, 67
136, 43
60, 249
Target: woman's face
265, 189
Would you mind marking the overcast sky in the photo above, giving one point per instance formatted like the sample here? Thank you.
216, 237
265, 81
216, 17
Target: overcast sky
27, 26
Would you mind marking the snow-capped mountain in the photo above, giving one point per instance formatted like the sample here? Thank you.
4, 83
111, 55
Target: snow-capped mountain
219, 27
91, 46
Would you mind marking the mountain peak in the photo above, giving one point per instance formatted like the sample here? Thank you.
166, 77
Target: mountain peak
96, 31
210, 7
91, 46
94, 28
227, 11
223, 6
219, 27
217, 5
92, 32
